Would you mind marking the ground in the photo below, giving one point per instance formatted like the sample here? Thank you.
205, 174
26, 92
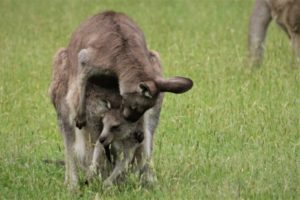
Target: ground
235, 135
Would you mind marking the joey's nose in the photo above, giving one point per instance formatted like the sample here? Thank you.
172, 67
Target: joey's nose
139, 136
102, 140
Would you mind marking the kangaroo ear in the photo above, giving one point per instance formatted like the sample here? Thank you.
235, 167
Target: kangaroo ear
175, 84
147, 89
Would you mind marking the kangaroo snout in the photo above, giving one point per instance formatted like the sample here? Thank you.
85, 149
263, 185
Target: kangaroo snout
139, 136
102, 139
105, 139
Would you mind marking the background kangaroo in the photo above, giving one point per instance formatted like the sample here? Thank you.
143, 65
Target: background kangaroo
285, 12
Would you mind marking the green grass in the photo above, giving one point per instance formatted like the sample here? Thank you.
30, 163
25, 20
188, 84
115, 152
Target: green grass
235, 135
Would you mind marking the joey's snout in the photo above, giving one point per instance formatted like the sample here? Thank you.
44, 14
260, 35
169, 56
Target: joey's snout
105, 139
139, 136
102, 140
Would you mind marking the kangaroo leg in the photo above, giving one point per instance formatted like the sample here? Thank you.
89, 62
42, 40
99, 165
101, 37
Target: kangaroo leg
259, 22
122, 163
144, 160
97, 159
296, 45
151, 120
293, 23
71, 176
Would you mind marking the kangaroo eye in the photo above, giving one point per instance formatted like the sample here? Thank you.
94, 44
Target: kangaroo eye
115, 128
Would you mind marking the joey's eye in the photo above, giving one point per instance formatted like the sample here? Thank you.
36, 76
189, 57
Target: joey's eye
115, 128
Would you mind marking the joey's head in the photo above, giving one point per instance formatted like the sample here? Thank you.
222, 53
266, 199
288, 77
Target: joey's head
115, 127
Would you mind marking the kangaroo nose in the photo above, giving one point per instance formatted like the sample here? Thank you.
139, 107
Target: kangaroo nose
102, 139
139, 136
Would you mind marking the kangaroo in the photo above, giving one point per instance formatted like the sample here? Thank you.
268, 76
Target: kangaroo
82, 146
110, 43
287, 15
124, 138
100, 91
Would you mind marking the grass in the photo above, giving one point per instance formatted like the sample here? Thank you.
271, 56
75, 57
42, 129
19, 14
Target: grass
235, 135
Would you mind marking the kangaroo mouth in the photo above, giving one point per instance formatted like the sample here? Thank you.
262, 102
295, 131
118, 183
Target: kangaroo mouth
108, 153
132, 118
105, 141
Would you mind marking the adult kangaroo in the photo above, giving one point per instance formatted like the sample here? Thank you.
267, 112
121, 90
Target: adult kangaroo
111, 43
287, 15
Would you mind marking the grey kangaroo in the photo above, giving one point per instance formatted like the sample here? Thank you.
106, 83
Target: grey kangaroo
101, 91
111, 43
82, 146
124, 138
287, 15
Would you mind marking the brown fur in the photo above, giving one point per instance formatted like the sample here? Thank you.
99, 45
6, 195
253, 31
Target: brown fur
286, 13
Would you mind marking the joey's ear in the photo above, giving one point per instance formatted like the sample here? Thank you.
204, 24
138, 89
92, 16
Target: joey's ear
174, 84
147, 89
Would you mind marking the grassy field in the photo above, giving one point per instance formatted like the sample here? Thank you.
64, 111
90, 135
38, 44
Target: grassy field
235, 135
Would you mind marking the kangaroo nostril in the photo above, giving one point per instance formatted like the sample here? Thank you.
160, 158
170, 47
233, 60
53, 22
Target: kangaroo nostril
139, 136
102, 139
